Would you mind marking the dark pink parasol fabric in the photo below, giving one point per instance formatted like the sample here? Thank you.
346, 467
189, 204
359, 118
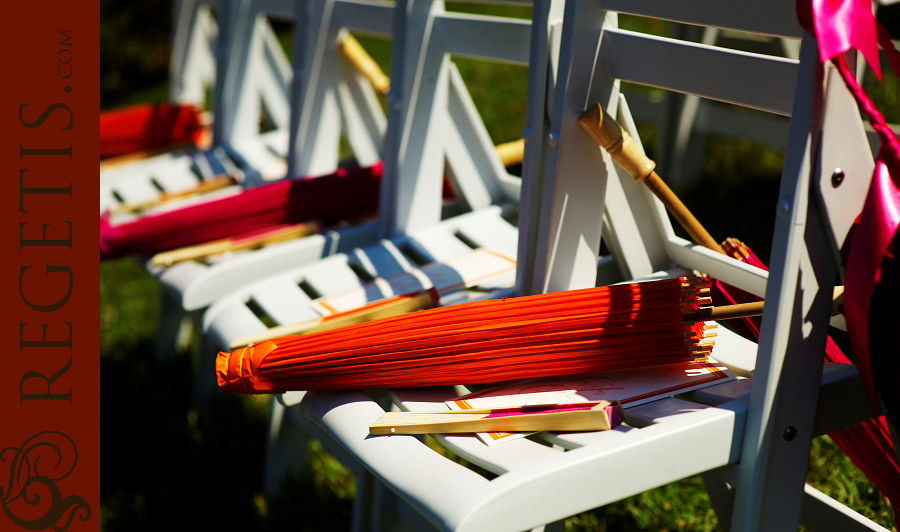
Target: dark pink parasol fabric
344, 194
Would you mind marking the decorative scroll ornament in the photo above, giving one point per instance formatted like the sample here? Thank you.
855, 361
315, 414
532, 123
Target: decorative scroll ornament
31, 497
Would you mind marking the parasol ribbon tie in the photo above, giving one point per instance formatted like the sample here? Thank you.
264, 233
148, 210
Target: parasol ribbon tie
840, 26
237, 372
872, 235
868, 444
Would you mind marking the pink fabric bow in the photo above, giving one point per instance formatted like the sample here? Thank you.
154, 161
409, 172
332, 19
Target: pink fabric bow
842, 25
839, 26
869, 444
874, 231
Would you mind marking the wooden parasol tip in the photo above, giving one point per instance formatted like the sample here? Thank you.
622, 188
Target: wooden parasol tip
699, 337
236, 372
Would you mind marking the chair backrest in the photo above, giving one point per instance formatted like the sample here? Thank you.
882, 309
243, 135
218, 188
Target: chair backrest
594, 59
192, 67
686, 122
431, 118
331, 97
253, 81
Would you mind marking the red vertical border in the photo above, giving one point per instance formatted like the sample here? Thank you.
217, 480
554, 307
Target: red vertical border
49, 273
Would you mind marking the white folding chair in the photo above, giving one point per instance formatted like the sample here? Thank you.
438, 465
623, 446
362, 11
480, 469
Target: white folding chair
341, 100
749, 438
432, 121
192, 72
252, 76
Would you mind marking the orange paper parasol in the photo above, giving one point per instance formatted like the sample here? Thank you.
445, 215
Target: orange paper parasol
578, 331
149, 126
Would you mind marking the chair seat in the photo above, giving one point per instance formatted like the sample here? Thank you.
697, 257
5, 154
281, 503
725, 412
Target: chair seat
338, 273
133, 182
199, 284
552, 474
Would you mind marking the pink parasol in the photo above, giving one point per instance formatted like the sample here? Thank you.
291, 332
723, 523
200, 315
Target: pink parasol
344, 194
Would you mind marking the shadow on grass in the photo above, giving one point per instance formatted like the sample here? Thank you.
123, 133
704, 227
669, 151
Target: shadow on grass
167, 465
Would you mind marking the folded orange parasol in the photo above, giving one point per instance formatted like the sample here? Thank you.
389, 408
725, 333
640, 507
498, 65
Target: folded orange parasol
578, 331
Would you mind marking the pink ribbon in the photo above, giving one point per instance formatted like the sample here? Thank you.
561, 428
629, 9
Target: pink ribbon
874, 231
875, 228
842, 25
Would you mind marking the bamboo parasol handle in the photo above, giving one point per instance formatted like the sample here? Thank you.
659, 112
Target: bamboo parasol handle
629, 155
746, 310
725, 312
510, 153
392, 306
262, 239
363, 62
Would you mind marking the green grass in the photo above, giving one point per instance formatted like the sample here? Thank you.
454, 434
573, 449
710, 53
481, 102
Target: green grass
168, 465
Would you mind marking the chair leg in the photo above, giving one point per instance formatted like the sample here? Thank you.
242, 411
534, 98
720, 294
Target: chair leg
819, 512
289, 435
721, 495
205, 377
285, 449
556, 526
174, 326
362, 503
390, 513
286, 454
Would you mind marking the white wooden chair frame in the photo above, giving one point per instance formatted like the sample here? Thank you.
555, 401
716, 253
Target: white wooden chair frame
341, 99
749, 438
330, 101
192, 69
431, 120
251, 71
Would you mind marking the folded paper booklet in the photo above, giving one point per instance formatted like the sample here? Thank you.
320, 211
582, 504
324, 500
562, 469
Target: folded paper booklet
630, 387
